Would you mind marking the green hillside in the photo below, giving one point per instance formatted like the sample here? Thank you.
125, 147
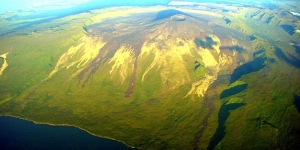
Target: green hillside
208, 80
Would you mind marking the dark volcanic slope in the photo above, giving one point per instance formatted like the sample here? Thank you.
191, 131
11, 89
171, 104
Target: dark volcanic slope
165, 14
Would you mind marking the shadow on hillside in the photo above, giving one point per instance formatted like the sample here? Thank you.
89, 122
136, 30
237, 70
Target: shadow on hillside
255, 65
222, 117
197, 65
207, 43
26, 25
252, 38
297, 49
164, 14
234, 48
294, 61
288, 29
297, 102
227, 21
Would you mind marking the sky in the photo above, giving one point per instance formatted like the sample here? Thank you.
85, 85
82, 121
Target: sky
7, 5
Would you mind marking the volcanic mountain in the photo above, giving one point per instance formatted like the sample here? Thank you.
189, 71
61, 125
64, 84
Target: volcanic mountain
155, 78
174, 47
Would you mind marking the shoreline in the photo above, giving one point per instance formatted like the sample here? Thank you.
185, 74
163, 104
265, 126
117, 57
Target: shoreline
68, 125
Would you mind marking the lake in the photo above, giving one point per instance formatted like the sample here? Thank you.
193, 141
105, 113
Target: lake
21, 134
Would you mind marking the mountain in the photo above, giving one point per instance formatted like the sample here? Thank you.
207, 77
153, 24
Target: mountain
159, 77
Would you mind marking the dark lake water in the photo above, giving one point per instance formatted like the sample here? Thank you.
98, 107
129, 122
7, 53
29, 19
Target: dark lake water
21, 134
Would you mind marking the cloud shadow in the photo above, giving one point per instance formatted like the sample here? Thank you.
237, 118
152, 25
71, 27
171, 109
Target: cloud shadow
234, 48
208, 43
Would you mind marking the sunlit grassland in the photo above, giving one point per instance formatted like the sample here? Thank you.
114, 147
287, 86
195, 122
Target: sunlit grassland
268, 98
104, 106
33, 55
195, 73
249, 22
138, 118
267, 102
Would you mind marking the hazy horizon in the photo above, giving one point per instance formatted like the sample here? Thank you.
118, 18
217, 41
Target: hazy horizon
48, 5
13, 5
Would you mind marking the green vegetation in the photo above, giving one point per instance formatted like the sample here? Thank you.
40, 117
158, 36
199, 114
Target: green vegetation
234, 88
251, 84
234, 100
1, 61
236, 83
199, 70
